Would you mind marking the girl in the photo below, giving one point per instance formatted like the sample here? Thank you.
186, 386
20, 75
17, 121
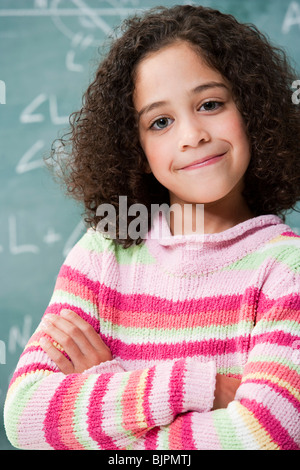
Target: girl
185, 341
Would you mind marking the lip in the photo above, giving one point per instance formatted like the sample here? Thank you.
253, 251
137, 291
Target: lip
209, 160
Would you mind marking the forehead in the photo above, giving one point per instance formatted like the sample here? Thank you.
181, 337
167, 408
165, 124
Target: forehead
175, 66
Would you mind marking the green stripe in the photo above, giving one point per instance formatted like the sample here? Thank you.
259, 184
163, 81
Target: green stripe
267, 326
20, 398
164, 335
119, 412
231, 370
226, 430
283, 361
79, 415
288, 256
163, 437
135, 254
61, 296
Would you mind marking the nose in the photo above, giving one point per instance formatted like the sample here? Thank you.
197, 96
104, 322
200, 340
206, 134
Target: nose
192, 133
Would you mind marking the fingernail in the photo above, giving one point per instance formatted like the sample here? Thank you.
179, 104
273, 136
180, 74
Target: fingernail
43, 341
45, 323
65, 313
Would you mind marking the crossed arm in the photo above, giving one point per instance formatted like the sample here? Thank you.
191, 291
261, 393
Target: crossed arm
85, 349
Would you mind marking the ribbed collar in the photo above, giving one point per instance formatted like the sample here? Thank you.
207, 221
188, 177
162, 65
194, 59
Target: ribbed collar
199, 254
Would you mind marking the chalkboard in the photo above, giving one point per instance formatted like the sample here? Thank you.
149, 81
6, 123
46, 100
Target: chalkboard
48, 53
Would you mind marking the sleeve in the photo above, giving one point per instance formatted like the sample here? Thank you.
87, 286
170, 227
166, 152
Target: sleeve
106, 407
265, 414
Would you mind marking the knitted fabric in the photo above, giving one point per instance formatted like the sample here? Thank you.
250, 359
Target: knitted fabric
174, 311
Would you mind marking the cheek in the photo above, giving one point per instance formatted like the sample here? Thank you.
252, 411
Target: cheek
234, 131
237, 130
154, 152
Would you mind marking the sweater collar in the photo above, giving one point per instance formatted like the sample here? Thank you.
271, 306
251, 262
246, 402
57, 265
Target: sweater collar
203, 253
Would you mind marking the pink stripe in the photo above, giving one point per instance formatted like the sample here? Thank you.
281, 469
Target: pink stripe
166, 320
282, 392
34, 339
278, 338
151, 439
55, 414
77, 276
56, 308
275, 369
27, 369
187, 440
129, 402
279, 311
175, 433
290, 234
150, 303
146, 402
67, 435
221, 310
95, 413
278, 434
180, 434
218, 307
176, 385
286, 302
278, 372
76, 289
147, 351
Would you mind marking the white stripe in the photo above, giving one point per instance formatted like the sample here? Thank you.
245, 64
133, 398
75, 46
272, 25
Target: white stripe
159, 402
278, 405
242, 431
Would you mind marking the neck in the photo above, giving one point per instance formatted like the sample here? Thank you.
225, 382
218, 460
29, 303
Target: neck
209, 218
216, 221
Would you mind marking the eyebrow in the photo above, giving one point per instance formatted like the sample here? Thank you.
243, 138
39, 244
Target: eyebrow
198, 89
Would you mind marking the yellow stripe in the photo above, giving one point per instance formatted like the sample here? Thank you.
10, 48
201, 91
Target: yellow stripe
277, 239
261, 436
274, 379
140, 417
26, 376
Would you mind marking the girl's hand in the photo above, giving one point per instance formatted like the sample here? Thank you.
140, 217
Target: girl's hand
225, 391
77, 338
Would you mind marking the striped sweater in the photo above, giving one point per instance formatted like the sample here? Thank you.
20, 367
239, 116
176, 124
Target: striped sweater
174, 311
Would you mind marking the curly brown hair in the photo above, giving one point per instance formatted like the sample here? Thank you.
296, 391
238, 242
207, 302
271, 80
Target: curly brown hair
102, 155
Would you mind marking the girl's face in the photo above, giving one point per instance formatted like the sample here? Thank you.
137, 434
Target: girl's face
190, 128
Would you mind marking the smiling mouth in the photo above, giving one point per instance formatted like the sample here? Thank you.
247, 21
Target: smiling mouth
204, 162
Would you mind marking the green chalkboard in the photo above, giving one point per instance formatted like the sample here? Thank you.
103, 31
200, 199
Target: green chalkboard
48, 53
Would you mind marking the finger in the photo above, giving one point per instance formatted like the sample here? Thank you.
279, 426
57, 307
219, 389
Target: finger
86, 328
56, 356
90, 347
90, 339
59, 331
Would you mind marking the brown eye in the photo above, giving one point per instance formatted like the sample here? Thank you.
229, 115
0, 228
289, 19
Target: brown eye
211, 105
